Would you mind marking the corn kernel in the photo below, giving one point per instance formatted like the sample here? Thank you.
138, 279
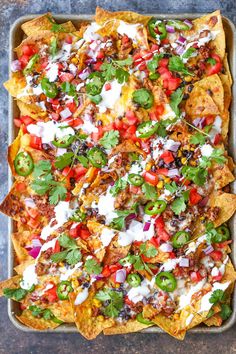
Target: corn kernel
74, 60
183, 160
193, 163
188, 78
117, 285
179, 153
167, 179
61, 264
43, 114
187, 147
148, 166
176, 316
96, 303
137, 143
100, 318
202, 217
192, 148
75, 283
160, 184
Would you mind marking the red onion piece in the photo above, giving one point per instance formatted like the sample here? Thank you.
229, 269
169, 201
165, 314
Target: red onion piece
173, 172
166, 247
66, 113
184, 262
203, 202
188, 23
120, 275
36, 243
146, 226
181, 40
29, 203
202, 123
196, 122
179, 50
84, 74
208, 250
34, 252
15, 66
170, 29
172, 145
131, 217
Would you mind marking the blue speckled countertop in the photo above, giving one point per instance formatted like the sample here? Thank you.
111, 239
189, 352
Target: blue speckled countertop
13, 341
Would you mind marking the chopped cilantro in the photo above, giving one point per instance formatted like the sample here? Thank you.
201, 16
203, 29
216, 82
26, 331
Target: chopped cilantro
110, 139
92, 266
175, 99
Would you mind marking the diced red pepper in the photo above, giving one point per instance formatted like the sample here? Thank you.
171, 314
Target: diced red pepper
167, 156
194, 196
162, 171
151, 177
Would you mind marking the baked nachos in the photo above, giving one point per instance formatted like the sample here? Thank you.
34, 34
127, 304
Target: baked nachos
121, 195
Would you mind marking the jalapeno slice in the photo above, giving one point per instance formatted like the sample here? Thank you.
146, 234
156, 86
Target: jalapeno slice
224, 232
78, 216
63, 290
154, 208
29, 67
135, 180
49, 88
143, 320
134, 280
97, 157
157, 28
180, 238
146, 129
143, 97
166, 281
64, 142
23, 164
95, 83
179, 25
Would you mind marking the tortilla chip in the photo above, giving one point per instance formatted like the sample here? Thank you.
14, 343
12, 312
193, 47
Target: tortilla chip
63, 311
36, 323
222, 176
171, 326
11, 283
13, 150
128, 327
31, 110
227, 204
19, 240
200, 104
88, 325
16, 84
103, 16
214, 320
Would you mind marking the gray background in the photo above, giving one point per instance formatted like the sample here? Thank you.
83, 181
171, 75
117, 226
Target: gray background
13, 341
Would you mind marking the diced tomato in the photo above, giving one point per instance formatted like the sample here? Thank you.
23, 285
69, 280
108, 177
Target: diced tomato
17, 122
173, 83
163, 62
129, 133
214, 69
66, 77
134, 189
97, 65
114, 267
33, 213
151, 177
24, 59
162, 171
84, 234
196, 277
51, 294
44, 62
216, 255
217, 277
131, 117
28, 50
77, 122
57, 247
153, 116
23, 307
223, 244
167, 156
106, 271
166, 76
159, 223
209, 119
69, 121
72, 107
118, 124
125, 39
100, 54
165, 41
27, 120
20, 186
95, 136
35, 142
75, 230
79, 171
34, 223
128, 301
107, 86
68, 172
68, 39
155, 241
108, 127
55, 116
217, 139
68, 197
159, 109
194, 196
154, 47
163, 235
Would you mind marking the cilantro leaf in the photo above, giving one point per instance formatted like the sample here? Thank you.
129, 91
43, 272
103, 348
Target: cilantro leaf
177, 64
121, 75
83, 160
119, 185
212, 234
73, 256
196, 174
15, 294
102, 295
175, 99
189, 52
108, 71
59, 257
47, 314
92, 266
67, 242
211, 61
55, 26
198, 138
171, 187
218, 156
41, 168
124, 62
64, 160
225, 312
153, 64
148, 252
115, 300
35, 310
178, 205
95, 98
57, 193
53, 47
217, 295
119, 222
110, 139
149, 191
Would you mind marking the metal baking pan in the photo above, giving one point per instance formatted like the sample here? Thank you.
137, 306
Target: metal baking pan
16, 36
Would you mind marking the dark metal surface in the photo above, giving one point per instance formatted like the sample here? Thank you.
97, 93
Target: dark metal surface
14, 341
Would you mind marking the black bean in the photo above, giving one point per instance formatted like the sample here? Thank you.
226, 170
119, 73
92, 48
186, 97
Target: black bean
190, 88
209, 92
185, 96
178, 162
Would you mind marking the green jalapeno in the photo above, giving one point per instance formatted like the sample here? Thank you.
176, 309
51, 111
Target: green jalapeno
179, 25
180, 238
166, 281
63, 290
64, 142
146, 129
157, 28
95, 83
224, 232
135, 180
154, 208
78, 216
134, 280
23, 164
49, 88
97, 157
29, 67
143, 97
143, 320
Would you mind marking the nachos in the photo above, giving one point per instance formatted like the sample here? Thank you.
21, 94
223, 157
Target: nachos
121, 195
